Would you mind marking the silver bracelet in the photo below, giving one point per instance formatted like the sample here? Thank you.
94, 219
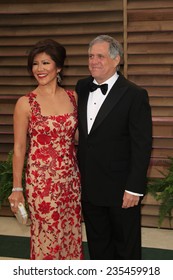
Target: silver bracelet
17, 189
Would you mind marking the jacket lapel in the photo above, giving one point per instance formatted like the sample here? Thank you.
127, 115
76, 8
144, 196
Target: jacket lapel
115, 94
82, 107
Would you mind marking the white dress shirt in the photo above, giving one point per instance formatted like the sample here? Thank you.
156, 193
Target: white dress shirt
95, 101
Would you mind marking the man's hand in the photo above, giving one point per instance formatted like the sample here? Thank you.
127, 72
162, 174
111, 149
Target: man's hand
130, 200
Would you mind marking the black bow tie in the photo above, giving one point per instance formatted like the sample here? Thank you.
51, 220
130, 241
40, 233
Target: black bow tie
103, 87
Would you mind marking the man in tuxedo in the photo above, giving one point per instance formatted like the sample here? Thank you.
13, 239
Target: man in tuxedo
115, 141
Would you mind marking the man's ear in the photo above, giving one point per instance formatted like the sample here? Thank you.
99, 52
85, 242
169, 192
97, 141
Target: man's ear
117, 60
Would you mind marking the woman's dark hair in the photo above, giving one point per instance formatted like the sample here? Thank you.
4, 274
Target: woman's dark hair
54, 49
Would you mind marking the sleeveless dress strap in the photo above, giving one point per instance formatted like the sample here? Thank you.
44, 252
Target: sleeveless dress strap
72, 98
35, 109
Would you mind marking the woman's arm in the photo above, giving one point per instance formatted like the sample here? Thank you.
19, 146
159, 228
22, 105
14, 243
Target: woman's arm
21, 118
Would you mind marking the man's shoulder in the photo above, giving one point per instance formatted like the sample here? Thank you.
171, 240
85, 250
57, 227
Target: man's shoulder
130, 84
84, 81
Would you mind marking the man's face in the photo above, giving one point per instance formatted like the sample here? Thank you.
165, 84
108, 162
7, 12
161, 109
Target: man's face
101, 65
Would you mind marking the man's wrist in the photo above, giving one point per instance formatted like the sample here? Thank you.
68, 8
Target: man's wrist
137, 194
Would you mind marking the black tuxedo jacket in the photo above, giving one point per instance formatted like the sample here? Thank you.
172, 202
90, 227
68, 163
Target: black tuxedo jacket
115, 155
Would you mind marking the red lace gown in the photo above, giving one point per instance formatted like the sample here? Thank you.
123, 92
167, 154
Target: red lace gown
53, 185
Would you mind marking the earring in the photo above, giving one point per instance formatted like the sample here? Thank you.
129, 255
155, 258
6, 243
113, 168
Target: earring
59, 78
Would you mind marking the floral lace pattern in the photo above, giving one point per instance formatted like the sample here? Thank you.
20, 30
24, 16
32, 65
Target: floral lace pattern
53, 185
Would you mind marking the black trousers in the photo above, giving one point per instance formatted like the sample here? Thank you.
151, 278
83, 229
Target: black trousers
113, 233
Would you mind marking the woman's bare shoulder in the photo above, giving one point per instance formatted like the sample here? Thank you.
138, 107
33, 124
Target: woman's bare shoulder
23, 103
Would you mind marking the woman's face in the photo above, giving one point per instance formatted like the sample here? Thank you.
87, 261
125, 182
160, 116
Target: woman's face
44, 69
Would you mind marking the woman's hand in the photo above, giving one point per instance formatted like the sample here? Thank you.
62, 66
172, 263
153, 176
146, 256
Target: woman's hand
15, 198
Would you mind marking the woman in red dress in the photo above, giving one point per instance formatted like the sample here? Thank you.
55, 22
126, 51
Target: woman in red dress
48, 115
